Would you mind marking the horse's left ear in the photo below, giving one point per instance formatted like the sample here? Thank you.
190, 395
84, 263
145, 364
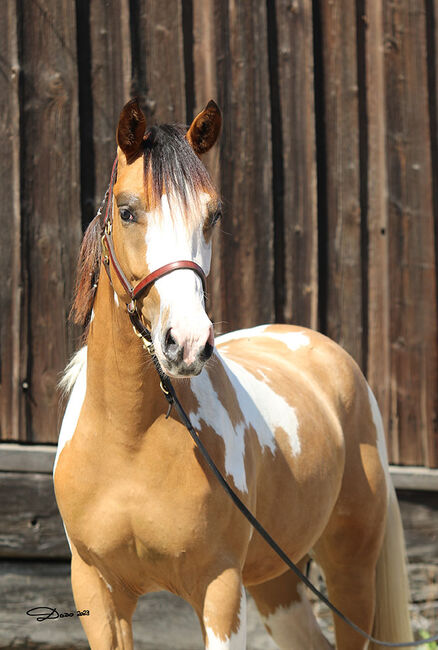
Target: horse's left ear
205, 128
131, 128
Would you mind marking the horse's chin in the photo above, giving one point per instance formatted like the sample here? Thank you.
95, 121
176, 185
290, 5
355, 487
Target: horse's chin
183, 371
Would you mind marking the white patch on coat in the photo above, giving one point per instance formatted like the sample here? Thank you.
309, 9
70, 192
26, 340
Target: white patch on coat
212, 412
294, 627
293, 340
237, 640
381, 441
74, 380
242, 334
116, 299
262, 408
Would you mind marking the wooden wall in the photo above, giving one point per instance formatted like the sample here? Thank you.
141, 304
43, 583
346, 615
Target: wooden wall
328, 166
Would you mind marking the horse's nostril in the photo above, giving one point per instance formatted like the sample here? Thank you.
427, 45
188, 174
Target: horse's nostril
172, 350
206, 352
169, 339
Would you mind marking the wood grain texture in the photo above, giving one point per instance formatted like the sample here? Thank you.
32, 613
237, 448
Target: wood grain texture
110, 78
30, 523
244, 286
12, 352
207, 43
295, 216
159, 78
367, 112
412, 264
50, 200
27, 458
343, 282
379, 295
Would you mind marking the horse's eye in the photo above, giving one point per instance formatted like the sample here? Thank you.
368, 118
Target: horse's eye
126, 215
217, 215
214, 218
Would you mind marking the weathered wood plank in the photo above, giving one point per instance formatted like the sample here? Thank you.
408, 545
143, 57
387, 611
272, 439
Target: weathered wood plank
159, 78
379, 296
110, 65
343, 283
414, 478
12, 416
27, 458
419, 512
51, 202
412, 263
207, 38
245, 285
30, 523
293, 128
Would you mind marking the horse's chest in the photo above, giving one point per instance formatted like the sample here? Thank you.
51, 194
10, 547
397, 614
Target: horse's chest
132, 510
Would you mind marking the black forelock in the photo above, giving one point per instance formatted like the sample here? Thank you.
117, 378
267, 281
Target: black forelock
172, 163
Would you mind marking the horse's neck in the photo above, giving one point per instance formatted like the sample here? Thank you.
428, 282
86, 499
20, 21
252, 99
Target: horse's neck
122, 384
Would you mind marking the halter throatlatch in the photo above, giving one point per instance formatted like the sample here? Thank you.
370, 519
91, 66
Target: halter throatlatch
169, 392
109, 256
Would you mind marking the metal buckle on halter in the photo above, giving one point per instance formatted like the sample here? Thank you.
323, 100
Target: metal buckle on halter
105, 253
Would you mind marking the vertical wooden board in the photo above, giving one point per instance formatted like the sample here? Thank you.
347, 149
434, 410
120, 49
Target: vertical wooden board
111, 82
207, 17
378, 361
50, 193
10, 222
244, 287
299, 200
158, 52
413, 316
343, 274
432, 26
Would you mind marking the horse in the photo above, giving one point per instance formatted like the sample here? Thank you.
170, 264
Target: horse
284, 411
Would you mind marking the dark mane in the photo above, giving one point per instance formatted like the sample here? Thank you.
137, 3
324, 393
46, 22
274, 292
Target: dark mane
170, 166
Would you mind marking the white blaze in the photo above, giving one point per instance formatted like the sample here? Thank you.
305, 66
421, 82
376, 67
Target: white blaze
173, 236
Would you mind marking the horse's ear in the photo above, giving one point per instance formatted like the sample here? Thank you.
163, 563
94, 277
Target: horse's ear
131, 128
205, 128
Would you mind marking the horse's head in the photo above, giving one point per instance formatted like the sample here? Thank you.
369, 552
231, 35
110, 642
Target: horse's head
164, 211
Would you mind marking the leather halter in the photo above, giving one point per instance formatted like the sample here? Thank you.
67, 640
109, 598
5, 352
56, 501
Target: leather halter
109, 255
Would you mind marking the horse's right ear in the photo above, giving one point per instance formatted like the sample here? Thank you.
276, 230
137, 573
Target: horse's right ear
131, 129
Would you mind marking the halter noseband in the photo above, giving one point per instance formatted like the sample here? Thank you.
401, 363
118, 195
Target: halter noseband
109, 255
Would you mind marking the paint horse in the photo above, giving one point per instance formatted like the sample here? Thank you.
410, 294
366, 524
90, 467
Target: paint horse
284, 411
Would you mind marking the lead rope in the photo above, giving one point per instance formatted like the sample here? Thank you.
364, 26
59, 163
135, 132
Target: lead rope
173, 401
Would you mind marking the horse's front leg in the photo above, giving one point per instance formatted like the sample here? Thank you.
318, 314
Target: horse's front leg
107, 610
222, 611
